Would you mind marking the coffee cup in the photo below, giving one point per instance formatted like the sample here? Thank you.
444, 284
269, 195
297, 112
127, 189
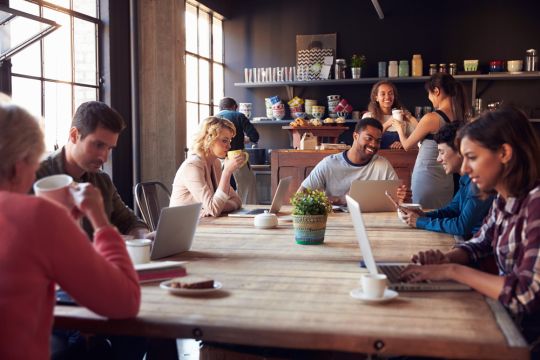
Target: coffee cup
56, 188
397, 114
374, 285
234, 153
139, 250
410, 206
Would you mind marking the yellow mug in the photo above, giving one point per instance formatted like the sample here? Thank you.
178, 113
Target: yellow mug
234, 153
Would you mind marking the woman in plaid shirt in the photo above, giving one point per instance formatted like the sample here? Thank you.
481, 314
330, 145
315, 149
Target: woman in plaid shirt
501, 155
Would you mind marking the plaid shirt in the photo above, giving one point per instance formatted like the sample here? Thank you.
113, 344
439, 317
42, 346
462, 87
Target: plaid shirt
512, 231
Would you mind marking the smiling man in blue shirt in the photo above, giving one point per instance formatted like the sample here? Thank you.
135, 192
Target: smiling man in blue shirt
464, 215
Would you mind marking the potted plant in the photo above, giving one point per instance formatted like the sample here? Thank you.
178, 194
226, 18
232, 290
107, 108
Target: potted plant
357, 62
310, 211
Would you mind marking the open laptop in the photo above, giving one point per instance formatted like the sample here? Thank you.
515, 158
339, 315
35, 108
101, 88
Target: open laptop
279, 197
393, 270
370, 194
175, 230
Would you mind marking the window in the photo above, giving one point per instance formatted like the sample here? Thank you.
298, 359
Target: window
54, 76
204, 65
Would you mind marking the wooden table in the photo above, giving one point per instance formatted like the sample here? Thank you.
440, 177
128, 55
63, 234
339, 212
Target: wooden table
280, 294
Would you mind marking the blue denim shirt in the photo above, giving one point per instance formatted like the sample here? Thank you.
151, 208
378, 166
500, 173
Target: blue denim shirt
463, 216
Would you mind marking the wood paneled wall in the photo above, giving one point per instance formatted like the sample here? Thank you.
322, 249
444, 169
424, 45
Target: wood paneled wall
161, 88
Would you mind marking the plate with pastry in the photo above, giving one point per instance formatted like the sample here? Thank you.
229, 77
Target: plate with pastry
191, 285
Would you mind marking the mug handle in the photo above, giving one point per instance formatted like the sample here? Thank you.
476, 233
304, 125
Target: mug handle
247, 157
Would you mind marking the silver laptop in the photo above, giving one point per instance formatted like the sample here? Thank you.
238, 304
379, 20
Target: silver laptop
370, 194
279, 197
175, 230
392, 271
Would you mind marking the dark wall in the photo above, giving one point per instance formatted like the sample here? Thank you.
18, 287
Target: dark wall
262, 34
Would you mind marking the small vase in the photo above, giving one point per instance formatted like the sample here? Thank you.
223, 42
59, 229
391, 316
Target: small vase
309, 229
356, 73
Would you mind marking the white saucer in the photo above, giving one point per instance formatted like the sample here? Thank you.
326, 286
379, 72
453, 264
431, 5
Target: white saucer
181, 291
388, 296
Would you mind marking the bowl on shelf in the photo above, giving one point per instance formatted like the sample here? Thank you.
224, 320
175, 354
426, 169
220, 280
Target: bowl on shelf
470, 65
514, 65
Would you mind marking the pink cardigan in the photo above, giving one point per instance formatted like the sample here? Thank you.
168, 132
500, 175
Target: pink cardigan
193, 184
41, 245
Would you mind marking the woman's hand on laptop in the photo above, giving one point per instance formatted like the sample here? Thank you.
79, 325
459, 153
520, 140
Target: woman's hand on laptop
430, 257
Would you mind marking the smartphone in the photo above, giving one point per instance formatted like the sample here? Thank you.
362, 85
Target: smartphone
392, 200
63, 298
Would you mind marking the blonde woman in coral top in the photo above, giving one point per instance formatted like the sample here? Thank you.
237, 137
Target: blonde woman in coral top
200, 178
42, 245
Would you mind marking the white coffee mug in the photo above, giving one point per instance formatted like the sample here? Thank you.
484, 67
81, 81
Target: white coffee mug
397, 114
56, 188
374, 285
139, 250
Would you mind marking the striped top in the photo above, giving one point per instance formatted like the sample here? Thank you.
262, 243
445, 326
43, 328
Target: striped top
512, 232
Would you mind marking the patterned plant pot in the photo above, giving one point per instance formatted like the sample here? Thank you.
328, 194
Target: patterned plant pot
309, 229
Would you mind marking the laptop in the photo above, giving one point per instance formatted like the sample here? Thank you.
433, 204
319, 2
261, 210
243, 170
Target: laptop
175, 230
279, 197
370, 194
392, 271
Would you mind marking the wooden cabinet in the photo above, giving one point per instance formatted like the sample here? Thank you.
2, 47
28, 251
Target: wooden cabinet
299, 163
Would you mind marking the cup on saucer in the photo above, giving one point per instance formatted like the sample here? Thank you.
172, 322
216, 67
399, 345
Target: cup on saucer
374, 285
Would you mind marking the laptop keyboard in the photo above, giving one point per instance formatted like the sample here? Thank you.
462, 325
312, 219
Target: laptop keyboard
393, 272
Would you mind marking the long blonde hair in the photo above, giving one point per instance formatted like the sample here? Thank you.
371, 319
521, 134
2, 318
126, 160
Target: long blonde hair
21, 137
210, 129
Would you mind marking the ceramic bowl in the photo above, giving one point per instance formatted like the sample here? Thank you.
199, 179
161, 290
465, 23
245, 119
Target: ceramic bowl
265, 220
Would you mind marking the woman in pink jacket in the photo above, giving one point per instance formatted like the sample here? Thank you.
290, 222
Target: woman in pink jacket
200, 178
41, 245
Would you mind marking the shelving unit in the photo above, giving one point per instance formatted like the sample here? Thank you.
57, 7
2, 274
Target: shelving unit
290, 85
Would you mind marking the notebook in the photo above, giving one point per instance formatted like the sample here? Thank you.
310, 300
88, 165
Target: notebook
175, 230
279, 197
370, 194
393, 270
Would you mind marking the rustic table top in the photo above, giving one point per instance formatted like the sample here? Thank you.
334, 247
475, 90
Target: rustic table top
279, 294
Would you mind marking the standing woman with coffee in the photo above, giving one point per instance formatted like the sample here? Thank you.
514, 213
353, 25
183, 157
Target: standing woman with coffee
53, 249
431, 186
384, 98
200, 178
500, 154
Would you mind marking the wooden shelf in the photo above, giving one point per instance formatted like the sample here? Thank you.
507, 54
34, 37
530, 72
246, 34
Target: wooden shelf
290, 85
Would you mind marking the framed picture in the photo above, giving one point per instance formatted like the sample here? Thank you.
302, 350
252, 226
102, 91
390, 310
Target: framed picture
313, 55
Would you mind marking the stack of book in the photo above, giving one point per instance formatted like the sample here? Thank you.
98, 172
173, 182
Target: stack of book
160, 270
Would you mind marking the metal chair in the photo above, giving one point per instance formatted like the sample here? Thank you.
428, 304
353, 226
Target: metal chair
151, 197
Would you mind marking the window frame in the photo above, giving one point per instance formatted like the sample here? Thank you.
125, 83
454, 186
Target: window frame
73, 83
213, 15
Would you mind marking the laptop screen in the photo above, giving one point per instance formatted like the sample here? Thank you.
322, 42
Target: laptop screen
361, 234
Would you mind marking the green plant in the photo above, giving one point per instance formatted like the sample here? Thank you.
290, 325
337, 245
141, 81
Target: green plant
311, 202
358, 61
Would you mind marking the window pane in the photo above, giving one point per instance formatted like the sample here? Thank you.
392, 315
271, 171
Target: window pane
27, 61
217, 40
204, 112
192, 122
57, 48
204, 34
191, 28
86, 7
62, 3
215, 110
25, 6
58, 114
83, 94
192, 86
204, 81
218, 83
27, 93
84, 36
